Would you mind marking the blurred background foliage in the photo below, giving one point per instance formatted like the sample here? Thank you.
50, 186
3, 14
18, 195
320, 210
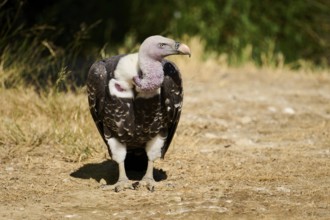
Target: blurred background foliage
49, 42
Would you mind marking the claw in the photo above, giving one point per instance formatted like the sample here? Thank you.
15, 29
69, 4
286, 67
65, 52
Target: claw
119, 186
149, 184
151, 187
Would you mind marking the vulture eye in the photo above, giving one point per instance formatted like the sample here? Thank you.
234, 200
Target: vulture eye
161, 45
177, 44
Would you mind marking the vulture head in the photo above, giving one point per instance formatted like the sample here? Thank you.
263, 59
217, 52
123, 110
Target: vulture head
151, 53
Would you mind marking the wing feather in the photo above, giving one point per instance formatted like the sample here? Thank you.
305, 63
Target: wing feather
172, 98
98, 79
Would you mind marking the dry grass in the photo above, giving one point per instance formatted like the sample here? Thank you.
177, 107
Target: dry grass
59, 122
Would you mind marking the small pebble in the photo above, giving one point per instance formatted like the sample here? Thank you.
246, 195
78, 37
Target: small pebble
272, 109
289, 111
71, 216
103, 182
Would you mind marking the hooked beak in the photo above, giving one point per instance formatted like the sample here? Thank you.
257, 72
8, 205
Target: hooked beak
183, 50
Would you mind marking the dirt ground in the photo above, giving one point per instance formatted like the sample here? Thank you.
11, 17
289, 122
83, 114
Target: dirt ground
250, 145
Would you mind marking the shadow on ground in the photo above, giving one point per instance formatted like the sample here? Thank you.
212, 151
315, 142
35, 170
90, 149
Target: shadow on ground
108, 170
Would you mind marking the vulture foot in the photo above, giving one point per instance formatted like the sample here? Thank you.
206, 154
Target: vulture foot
121, 185
149, 183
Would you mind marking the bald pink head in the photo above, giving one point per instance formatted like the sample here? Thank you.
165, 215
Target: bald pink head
152, 51
157, 47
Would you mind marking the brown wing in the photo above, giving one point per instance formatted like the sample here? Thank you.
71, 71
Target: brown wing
172, 98
97, 88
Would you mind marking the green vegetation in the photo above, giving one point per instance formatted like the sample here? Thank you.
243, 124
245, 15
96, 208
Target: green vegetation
51, 42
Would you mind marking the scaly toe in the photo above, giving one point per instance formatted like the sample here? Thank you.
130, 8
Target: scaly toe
119, 186
149, 183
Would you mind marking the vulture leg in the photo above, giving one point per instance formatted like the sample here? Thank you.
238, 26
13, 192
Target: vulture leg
148, 179
153, 149
119, 151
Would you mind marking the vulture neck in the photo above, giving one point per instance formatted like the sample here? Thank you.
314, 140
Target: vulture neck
152, 74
